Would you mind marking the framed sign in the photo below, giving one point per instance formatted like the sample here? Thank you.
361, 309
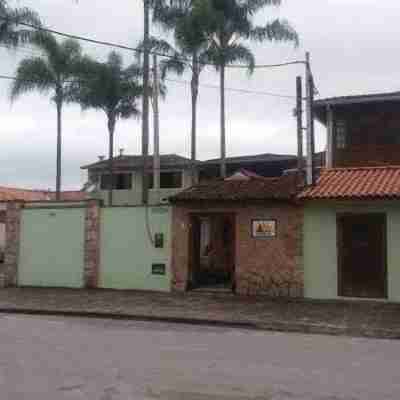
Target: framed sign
263, 228
158, 269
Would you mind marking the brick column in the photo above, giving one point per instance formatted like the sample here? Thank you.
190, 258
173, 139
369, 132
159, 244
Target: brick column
180, 249
92, 244
13, 224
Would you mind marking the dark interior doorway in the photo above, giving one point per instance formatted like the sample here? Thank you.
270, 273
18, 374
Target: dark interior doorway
362, 255
212, 251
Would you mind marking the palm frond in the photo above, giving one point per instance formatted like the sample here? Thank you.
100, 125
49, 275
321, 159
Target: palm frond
108, 86
173, 65
241, 54
251, 7
167, 13
115, 61
156, 45
32, 74
11, 32
277, 31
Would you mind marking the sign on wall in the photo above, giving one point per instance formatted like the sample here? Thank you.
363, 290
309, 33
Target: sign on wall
158, 269
263, 228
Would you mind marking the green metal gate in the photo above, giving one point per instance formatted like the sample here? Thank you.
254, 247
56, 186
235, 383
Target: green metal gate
52, 247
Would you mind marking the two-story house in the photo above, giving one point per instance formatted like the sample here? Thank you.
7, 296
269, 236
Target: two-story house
352, 214
175, 174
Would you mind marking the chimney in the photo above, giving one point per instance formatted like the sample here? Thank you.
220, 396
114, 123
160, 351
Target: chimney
121, 152
101, 158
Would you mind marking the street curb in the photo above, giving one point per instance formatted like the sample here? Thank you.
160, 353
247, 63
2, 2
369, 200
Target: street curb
131, 317
276, 326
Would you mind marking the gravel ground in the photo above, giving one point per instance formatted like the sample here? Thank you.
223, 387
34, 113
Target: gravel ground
47, 358
370, 319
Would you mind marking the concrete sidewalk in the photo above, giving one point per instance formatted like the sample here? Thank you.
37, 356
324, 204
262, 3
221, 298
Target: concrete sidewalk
363, 318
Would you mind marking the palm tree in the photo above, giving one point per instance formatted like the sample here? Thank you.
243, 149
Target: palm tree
189, 53
52, 72
11, 33
230, 21
113, 89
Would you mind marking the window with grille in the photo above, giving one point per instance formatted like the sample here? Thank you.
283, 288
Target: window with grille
121, 181
341, 133
168, 180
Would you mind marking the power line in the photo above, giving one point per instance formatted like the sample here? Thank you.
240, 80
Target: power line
137, 50
245, 91
36, 52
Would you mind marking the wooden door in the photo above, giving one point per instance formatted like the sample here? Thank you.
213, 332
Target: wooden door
194, 251
362, 255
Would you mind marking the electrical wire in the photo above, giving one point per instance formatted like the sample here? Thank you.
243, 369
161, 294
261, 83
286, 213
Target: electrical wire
137, 50
245, 91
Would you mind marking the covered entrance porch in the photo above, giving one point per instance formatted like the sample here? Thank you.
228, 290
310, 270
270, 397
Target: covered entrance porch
212, 251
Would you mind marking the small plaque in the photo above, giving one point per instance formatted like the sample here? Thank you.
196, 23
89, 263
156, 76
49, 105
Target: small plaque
158, 269
263, 228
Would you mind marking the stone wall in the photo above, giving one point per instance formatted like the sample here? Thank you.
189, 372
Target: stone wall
270, 266
92, 244
13, 223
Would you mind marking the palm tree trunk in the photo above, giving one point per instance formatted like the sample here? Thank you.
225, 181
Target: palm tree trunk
195, 94
223, 133
59, 145
111, 129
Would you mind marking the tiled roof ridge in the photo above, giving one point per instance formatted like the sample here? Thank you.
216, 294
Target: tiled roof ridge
365, 168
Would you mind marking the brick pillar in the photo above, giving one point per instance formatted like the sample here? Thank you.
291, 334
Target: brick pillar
180, 249
92, 244
13, 224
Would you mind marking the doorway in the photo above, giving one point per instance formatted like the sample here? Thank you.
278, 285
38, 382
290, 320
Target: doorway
362, 255
212, 251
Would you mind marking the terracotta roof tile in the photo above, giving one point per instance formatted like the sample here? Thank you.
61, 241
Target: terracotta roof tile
254, 188
356, 183
10, 194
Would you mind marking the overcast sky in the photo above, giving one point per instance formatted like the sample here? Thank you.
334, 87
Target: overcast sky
354, 49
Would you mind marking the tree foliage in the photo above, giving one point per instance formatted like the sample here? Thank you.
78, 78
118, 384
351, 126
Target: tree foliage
53, 72
12, 33
109, 86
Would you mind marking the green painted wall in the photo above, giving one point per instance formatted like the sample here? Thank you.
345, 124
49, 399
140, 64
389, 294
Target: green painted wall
127, 254
320, 248
52, 247
133, 197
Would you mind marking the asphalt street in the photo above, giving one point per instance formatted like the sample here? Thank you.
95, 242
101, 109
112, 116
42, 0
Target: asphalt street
51, 358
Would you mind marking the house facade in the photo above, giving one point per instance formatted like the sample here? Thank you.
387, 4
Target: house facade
332, 240
175, 175
127, 182
250, 233
352, 214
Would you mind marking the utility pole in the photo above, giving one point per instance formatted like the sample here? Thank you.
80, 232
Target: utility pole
299, 115
156, 123
310, 122
145, 103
